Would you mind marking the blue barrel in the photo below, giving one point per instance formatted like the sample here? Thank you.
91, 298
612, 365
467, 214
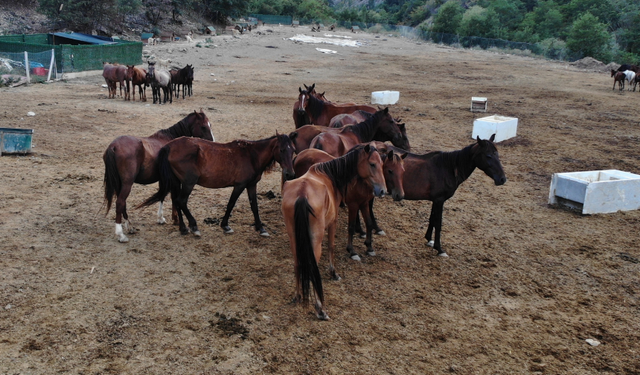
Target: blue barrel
15, 141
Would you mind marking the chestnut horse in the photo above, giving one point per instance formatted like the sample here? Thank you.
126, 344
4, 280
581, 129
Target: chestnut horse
187, 162
619, 78
131, 159
137, 77
359, 192
380, 127
114, 73
341, 140
320, 112
310, 206
435, 176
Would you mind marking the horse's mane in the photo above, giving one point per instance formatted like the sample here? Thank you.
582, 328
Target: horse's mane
459, 160
366, 129
315, 106
343, 169
247, 144
180, 129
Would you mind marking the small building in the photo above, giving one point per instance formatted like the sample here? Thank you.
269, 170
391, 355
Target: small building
210, 30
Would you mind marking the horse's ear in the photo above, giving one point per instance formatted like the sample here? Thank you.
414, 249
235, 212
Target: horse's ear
367, 148
312, 87
493, 136
293, 135
277, 133
386, 110
390, 154
300, 88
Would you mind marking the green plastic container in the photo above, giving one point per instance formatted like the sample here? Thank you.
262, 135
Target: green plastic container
15, 141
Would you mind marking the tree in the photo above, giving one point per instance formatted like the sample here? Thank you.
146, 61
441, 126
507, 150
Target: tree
630, 37
448, 18
589, 37
478, 21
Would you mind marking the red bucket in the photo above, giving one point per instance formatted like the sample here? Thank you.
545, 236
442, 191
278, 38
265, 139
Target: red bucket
40, 71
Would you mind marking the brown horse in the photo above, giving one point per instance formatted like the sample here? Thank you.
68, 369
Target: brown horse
131, 159
320, 112
359, 192
114, 73
187, 162
618, 77
341, 140
300, 117
380, 127
137, 77
435, 176
310, 206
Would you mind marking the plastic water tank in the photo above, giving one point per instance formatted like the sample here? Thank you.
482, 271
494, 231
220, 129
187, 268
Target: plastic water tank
385, 97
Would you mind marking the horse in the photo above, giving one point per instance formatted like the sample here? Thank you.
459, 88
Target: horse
181, 77
131, 159
359, 192
160, 80
137, 77
300, 117
310, 206
114, 73
623, 67
436, 176
618, 77
380, 127
630, 76
356, 117
186, 162
320, 112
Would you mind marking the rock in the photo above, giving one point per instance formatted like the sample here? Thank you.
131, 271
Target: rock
31, 114
592, 342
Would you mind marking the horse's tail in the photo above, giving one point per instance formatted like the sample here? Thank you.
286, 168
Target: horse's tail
307, 266
166, 181
112, 182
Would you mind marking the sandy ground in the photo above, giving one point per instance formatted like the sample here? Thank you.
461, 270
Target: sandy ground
524, 287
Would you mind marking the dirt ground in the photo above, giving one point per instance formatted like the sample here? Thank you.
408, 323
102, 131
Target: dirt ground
525, 286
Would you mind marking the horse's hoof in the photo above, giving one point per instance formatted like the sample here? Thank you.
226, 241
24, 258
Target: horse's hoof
336, 277
371, 253
184, 232
381, 233
431, 243
197, 233
264, 233
363, 235
227, 230
443, 254
162, 221
123, 239
356, 257
322, 315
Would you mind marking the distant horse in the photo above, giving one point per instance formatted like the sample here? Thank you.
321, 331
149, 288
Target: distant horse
636, 81
310, 206
630, 76
137, 77
187, 162
379, 127
633, 68
114, 73
160, 80
359, 192
131, 159
435, 176
321, 112
619, 78
182, 77
300, 117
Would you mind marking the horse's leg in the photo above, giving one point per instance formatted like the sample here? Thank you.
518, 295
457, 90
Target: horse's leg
161, 219
435, 222
376, 229
253, 200
353, 219
358, 226
121, 211
332, 245
237, 190
182, 199
366, 215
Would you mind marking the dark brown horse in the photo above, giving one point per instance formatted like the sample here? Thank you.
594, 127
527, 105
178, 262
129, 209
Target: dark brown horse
310, 206
113, 74
379, 127
320, 112
130, 160
435, 176
182, 77
359, 192
137, 77
618, 77
187, 162
300, 116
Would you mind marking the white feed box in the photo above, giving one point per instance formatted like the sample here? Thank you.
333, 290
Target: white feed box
478, 104
385, 97
503, 127
596, 192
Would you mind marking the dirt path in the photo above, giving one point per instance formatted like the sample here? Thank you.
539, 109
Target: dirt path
525, 284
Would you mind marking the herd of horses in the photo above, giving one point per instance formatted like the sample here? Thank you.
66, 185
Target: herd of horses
337, 155
626, 73
164, 83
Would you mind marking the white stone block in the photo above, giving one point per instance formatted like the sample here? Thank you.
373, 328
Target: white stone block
503, 127
385, 97
596, 192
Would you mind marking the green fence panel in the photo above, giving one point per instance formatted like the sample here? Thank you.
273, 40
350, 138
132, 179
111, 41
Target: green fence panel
271, 19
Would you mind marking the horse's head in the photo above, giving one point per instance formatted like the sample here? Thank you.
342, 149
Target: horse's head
284, 156
485, 157
189, 74
613, 72
370, 169
151, 73
200, 126
303, 98
130, 72
393, 168
388, 126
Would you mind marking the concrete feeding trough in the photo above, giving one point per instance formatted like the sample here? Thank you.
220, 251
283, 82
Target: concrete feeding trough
596, 192
385, 97
15, 141
503, 127
478, 104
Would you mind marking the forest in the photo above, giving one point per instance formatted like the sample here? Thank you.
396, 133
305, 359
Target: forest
607, 30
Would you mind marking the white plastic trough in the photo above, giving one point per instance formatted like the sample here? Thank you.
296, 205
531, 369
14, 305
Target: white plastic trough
385, 97
596, 192
503, 127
